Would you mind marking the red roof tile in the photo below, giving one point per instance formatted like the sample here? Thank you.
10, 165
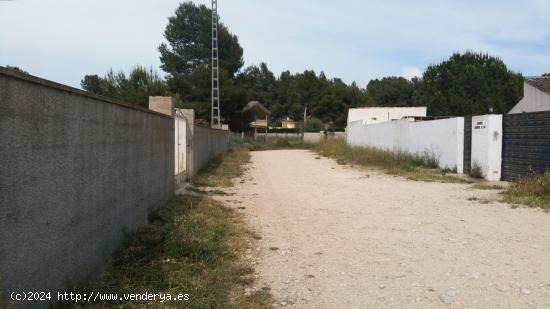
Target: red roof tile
541, 83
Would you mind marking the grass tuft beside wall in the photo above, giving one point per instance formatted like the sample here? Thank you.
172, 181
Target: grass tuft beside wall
344, 153
421, 166
272, 143
533, 191
220, 171
193, 246
476, 171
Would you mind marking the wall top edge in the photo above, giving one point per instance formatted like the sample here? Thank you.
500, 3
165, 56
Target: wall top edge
51, 84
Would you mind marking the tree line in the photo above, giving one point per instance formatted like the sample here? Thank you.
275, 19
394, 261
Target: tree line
465, 84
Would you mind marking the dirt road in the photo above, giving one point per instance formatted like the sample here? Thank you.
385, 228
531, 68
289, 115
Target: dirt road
341, 237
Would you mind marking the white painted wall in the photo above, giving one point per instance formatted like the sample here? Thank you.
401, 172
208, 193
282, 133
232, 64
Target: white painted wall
443, 138
336, 135
533, 100
487, 145
312, 137
372, 115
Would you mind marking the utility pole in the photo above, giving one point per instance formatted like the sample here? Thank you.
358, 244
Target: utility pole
215, 119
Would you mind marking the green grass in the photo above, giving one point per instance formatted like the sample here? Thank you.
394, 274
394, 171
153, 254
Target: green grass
432, 175
420, 167
220, 171
272, 143
475, 171
368, 156
533, 191
487, 186
194, 245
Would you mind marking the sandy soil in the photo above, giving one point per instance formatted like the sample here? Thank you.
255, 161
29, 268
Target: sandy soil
342, 237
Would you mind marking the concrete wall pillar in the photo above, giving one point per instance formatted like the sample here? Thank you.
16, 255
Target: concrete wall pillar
487, 145
189, 114
163, 105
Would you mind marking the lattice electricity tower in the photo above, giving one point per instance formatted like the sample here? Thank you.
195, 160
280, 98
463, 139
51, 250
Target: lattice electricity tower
215, 116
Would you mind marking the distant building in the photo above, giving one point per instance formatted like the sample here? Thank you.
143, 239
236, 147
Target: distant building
536, 96
372, 115
260, 115
292, 124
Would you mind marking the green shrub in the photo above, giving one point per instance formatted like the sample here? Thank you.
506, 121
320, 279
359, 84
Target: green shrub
475, 171
313, 125
532, 191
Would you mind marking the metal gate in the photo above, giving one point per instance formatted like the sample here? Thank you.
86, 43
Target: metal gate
525, 144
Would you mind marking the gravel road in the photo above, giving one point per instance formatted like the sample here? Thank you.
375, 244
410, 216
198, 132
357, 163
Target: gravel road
344, 237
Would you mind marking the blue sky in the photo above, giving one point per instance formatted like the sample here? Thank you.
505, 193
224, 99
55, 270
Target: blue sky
356, 40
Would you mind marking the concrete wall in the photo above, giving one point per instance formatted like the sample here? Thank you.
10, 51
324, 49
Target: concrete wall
442, 138
336, 135
207, 144
533, 100
372, 115
163, 105
312, 137
487, 145
282, 135
77, 171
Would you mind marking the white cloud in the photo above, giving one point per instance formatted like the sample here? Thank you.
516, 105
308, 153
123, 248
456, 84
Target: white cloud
411, 72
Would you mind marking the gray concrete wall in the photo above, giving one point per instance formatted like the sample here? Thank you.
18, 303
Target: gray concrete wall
76, 173
336, 135
163, 105
207, 144
281, 135
312, 137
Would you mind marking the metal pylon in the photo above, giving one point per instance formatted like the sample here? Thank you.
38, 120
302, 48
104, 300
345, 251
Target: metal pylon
215, 110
